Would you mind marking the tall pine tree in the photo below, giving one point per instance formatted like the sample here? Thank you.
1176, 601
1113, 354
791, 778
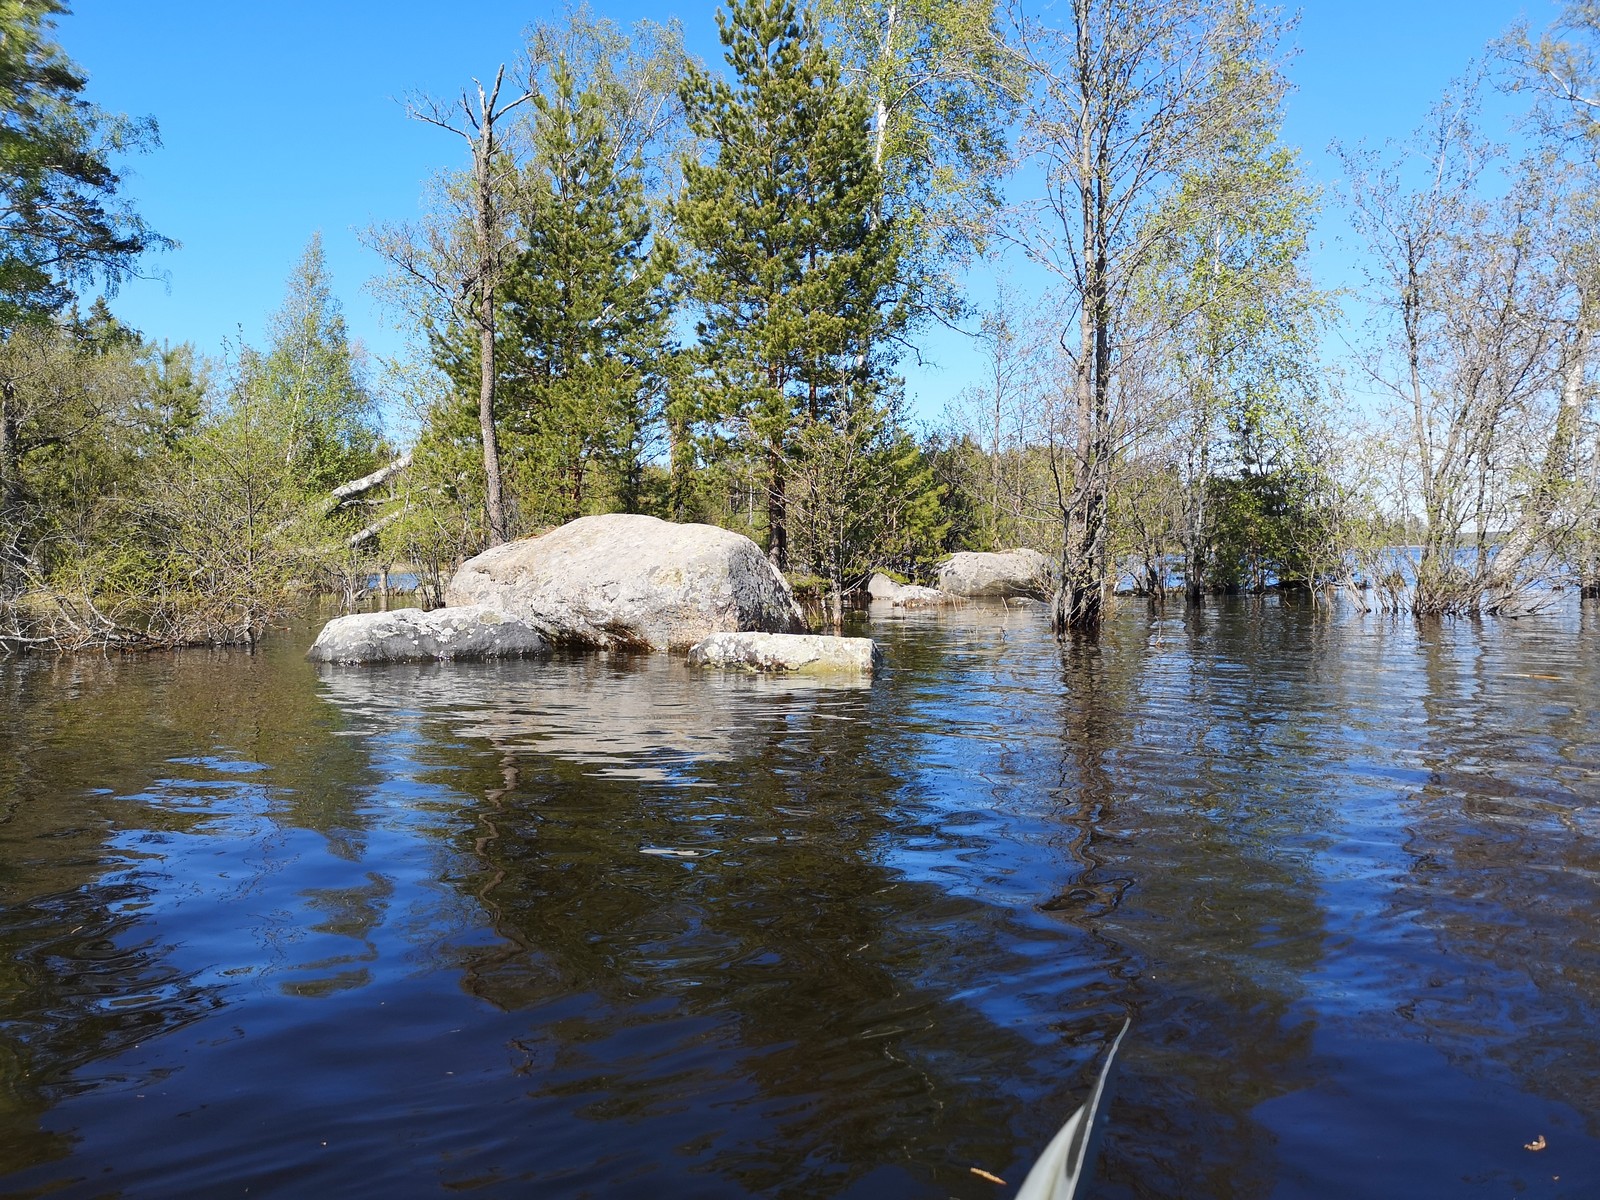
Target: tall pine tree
588, 304
62, 221
792, 277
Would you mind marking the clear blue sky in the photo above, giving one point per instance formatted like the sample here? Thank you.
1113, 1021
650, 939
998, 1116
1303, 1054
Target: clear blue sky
280, 119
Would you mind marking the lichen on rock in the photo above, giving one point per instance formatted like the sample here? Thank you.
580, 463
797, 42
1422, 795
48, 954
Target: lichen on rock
411, 635
788, 652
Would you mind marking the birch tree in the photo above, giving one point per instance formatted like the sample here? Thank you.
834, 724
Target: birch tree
1230, 284
1125, 97
941, 91
1479, 338
1560, 69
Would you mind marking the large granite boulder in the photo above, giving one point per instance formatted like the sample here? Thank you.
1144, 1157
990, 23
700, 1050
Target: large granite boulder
631, 582
811, 653
410, 635
906, 595
997, 574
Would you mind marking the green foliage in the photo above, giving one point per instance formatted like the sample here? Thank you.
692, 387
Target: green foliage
1230, 280
588, 304
312, 401
793, 277
62, 222
865, 496
958, 464
172, 398
995, 500
583, 308
221, 522
941, 90
1263, 528
150, 509
98, 417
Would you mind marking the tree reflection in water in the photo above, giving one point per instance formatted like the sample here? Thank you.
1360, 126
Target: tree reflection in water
597, 924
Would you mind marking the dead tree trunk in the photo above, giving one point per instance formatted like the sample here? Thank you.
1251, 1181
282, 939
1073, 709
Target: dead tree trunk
475, 299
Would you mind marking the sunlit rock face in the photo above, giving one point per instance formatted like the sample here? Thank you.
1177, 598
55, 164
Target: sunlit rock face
624, 581
906, 595
805, 652
997, 574
410, 635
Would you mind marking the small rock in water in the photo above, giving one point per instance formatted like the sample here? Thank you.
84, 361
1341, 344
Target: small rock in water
411, 635
808, 652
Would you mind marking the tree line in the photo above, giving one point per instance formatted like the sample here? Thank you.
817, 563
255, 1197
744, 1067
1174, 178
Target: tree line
653, 285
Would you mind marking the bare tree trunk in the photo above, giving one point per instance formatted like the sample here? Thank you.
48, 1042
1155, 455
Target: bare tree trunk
10, 487
1194, 505
472, 295
483, 164
1083, 565
382, 475
881, 114
777, 512
1077, 606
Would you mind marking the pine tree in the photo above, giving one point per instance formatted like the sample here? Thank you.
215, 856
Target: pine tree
61, 220
792, 275
588, 304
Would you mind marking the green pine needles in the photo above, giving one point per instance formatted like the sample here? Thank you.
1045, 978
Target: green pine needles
791, 271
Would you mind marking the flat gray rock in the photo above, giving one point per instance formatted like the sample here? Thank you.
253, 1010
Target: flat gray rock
997, 574
810, 653
410, 635
624, 581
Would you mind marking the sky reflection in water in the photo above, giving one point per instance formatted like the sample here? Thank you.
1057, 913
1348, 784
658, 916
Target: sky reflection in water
594, 924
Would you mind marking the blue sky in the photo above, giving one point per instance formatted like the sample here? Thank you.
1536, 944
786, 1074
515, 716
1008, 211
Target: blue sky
281, 119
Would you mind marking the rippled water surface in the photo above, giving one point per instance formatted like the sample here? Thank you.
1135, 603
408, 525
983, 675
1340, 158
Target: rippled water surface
604, 926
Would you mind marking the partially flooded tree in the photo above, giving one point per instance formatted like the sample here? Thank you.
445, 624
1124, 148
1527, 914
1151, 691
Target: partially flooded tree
865, 496
1480, 337
67, 386
1228, 282
1560, 68
1126, 97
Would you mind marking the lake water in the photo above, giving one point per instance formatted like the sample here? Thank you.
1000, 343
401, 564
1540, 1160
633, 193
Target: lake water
605, 926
